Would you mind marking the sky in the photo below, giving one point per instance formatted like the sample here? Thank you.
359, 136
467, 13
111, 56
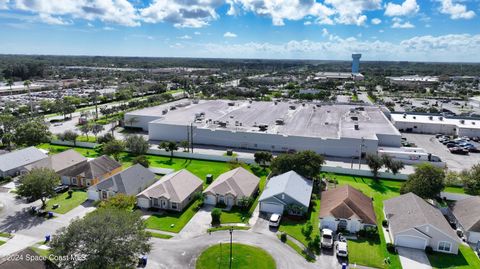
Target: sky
398, 30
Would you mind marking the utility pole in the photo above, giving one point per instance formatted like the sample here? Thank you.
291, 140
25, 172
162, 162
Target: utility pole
360, 154
95, 102
191, 136
231, 232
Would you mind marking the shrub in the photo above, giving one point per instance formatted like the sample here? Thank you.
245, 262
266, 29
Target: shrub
385, 223
391, 248
307, 229
429, 250
70, 193
283, 237
315, 243
369, 232
216, 214
221, 204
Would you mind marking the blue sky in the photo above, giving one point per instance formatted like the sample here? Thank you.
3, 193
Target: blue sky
415, 30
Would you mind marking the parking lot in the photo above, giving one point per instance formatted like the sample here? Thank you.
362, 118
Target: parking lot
454, 162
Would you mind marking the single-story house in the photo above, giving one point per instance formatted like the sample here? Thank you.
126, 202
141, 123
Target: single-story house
174, 191
467, 217
288, 192
346, 208
62, 163
130, 181
91, 172
13, 163
231, 187
414, 223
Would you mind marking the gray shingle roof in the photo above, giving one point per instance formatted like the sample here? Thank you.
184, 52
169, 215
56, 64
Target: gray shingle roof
467, 212
409, 211
238, 182
176, 187
95, 168
60, 161
20, 158
291, 184
131, 181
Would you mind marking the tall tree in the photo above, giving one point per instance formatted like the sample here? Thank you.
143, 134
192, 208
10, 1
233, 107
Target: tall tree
169, 146
263, 157
39, 183
137, 144
471, 180
96, 129
374, 162
32, 132
85, 129
427, 181
106, 238
70, 135
114, 148
306, 163
10, 83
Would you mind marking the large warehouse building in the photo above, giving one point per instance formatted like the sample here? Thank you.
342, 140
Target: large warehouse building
425, 124
332, 130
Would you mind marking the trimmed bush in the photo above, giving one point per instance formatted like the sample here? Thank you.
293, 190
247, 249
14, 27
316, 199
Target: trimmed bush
429, 250
216, 214
391, 248
283, 237
385, 223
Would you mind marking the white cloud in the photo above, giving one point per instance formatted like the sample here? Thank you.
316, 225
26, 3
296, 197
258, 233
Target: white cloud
307, 23
456, 11
108, 28
49, 19
421, 48
351, 12
325, 32
229, 35
4, 4
114, 11
408, 7
399, 23
197, 33
281, 10
182, 13
185, 37
376, 21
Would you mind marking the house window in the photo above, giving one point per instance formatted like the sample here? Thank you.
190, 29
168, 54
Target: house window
174, 205
104, 195
444, 246
155, 202
74, 181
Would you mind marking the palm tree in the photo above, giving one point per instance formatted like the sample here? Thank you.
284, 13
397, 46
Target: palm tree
10, 83
27, 84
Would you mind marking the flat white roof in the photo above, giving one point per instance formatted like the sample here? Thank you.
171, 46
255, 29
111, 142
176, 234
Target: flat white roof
305, 119
425, 119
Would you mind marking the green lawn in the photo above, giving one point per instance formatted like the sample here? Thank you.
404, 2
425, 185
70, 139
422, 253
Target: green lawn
466, 258
244, 257
2, 242
159, 235
293, 227
379, 190
164, 221
299, 250
4, 234
366, 252
66, 204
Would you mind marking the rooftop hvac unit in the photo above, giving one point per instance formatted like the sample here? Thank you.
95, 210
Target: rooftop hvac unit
473, 123
354, 118
263, 127
250, 101
195, 101
440, 118
275, 102
293, 107
279, 121
357, 127
164, 111
404, 115
462, 121
222, 124
303, 104
414, 117
430, 117
231, 103
360, 108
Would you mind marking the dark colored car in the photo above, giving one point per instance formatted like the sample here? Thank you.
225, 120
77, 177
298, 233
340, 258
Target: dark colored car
457, 150
452, 145
61, 189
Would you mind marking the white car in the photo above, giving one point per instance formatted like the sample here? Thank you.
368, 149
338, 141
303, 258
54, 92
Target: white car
275, 220
327, 238
341, 249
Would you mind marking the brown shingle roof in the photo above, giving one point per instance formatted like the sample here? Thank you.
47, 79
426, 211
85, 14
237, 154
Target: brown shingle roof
238, 182
467, 212
347, 202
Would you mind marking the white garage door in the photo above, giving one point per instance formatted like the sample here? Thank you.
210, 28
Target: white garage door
210, 200
410, 242
271, 208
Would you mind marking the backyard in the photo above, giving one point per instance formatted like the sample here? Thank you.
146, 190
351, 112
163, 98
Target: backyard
65, 203
293, 227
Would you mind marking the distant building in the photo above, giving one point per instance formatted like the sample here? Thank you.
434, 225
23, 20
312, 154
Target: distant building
414, 80
356, 63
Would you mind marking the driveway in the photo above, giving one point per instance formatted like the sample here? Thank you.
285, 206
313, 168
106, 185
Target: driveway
413, 258
198, 224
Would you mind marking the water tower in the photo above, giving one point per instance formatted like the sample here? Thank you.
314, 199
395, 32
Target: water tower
356, 63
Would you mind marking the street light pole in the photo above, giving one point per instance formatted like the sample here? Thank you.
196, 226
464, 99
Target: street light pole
231, 231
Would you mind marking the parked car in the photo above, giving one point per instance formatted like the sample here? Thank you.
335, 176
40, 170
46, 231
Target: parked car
275, 220
61, 188
458, 150
327, 238
341, 249
438, 135
452, 145
471, 148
